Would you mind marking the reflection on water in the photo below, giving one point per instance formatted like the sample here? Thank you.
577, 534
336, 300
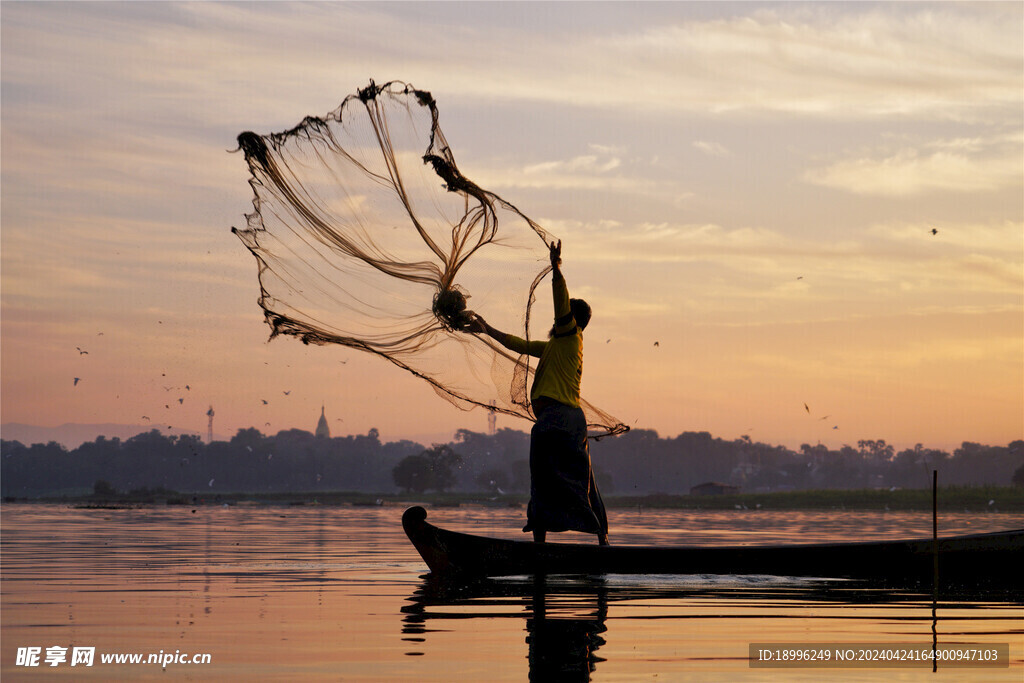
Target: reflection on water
566, 618
564, 621
564, 639
308, 593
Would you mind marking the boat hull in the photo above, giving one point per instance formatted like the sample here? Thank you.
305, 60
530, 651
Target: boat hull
994, 558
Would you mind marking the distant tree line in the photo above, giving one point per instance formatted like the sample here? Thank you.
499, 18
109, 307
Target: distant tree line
636, 463
292, 460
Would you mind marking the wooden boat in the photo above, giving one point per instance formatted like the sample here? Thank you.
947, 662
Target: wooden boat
990, 559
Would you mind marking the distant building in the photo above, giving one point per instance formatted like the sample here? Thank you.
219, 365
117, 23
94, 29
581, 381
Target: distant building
323, 431
713, 488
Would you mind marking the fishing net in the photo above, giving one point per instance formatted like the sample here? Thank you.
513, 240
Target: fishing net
367, 235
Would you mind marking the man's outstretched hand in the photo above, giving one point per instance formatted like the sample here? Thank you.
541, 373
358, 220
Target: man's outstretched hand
556, 254
476, 325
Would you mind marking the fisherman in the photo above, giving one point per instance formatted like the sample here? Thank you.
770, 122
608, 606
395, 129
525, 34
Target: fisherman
563, 493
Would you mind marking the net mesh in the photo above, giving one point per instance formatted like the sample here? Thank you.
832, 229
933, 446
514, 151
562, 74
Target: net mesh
367, 235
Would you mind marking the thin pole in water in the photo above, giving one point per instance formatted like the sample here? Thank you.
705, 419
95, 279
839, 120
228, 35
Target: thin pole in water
935, 568
935, 527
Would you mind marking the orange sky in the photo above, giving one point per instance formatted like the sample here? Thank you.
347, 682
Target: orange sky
754, 187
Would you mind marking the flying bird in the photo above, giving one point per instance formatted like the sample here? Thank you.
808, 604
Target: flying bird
656, 344
77, 380
807, 409
264, 401
935, 231
287, 393
81, 352
181, 400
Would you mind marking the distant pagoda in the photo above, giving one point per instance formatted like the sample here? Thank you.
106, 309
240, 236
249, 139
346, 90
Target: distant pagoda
323, 431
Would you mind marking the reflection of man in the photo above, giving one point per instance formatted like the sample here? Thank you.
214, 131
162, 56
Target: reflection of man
562, 642
563, 493
562, 649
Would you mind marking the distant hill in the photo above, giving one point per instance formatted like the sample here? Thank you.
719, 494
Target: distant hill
74, 435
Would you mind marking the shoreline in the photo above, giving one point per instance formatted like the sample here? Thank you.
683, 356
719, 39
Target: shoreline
956, 499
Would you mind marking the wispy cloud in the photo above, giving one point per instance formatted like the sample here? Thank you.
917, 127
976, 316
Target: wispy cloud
1005, 237
603, 168
588, 164
910, 172
712, 149
835, 60
755, 267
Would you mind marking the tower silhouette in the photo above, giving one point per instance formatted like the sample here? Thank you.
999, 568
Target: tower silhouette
322, 429
209, 425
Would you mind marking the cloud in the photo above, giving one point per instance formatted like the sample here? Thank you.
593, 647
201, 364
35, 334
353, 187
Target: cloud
908, 172
712, 149
761, 275
835, 60
603, 170
998, 270
832, 60
1006, 237
588, 164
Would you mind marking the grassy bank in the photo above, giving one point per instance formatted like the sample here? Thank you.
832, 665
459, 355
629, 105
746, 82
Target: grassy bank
951, 499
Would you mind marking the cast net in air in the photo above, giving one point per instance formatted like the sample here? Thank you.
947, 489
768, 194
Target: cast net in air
367, 235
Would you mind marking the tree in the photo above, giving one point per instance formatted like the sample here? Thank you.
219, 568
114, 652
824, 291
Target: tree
247, 436
431, 469
413, 474
443, 461
876, 451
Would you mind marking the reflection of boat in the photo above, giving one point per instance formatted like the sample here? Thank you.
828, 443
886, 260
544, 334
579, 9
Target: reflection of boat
567, 620
993, 558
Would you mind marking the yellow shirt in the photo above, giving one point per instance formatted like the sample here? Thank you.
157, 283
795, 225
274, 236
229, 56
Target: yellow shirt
560, 369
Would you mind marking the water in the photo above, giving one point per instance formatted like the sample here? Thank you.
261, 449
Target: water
338, 593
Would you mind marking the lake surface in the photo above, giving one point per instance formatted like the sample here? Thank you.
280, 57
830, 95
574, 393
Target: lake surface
338, 593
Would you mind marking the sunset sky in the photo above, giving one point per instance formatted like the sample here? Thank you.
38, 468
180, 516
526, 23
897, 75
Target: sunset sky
817, 204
